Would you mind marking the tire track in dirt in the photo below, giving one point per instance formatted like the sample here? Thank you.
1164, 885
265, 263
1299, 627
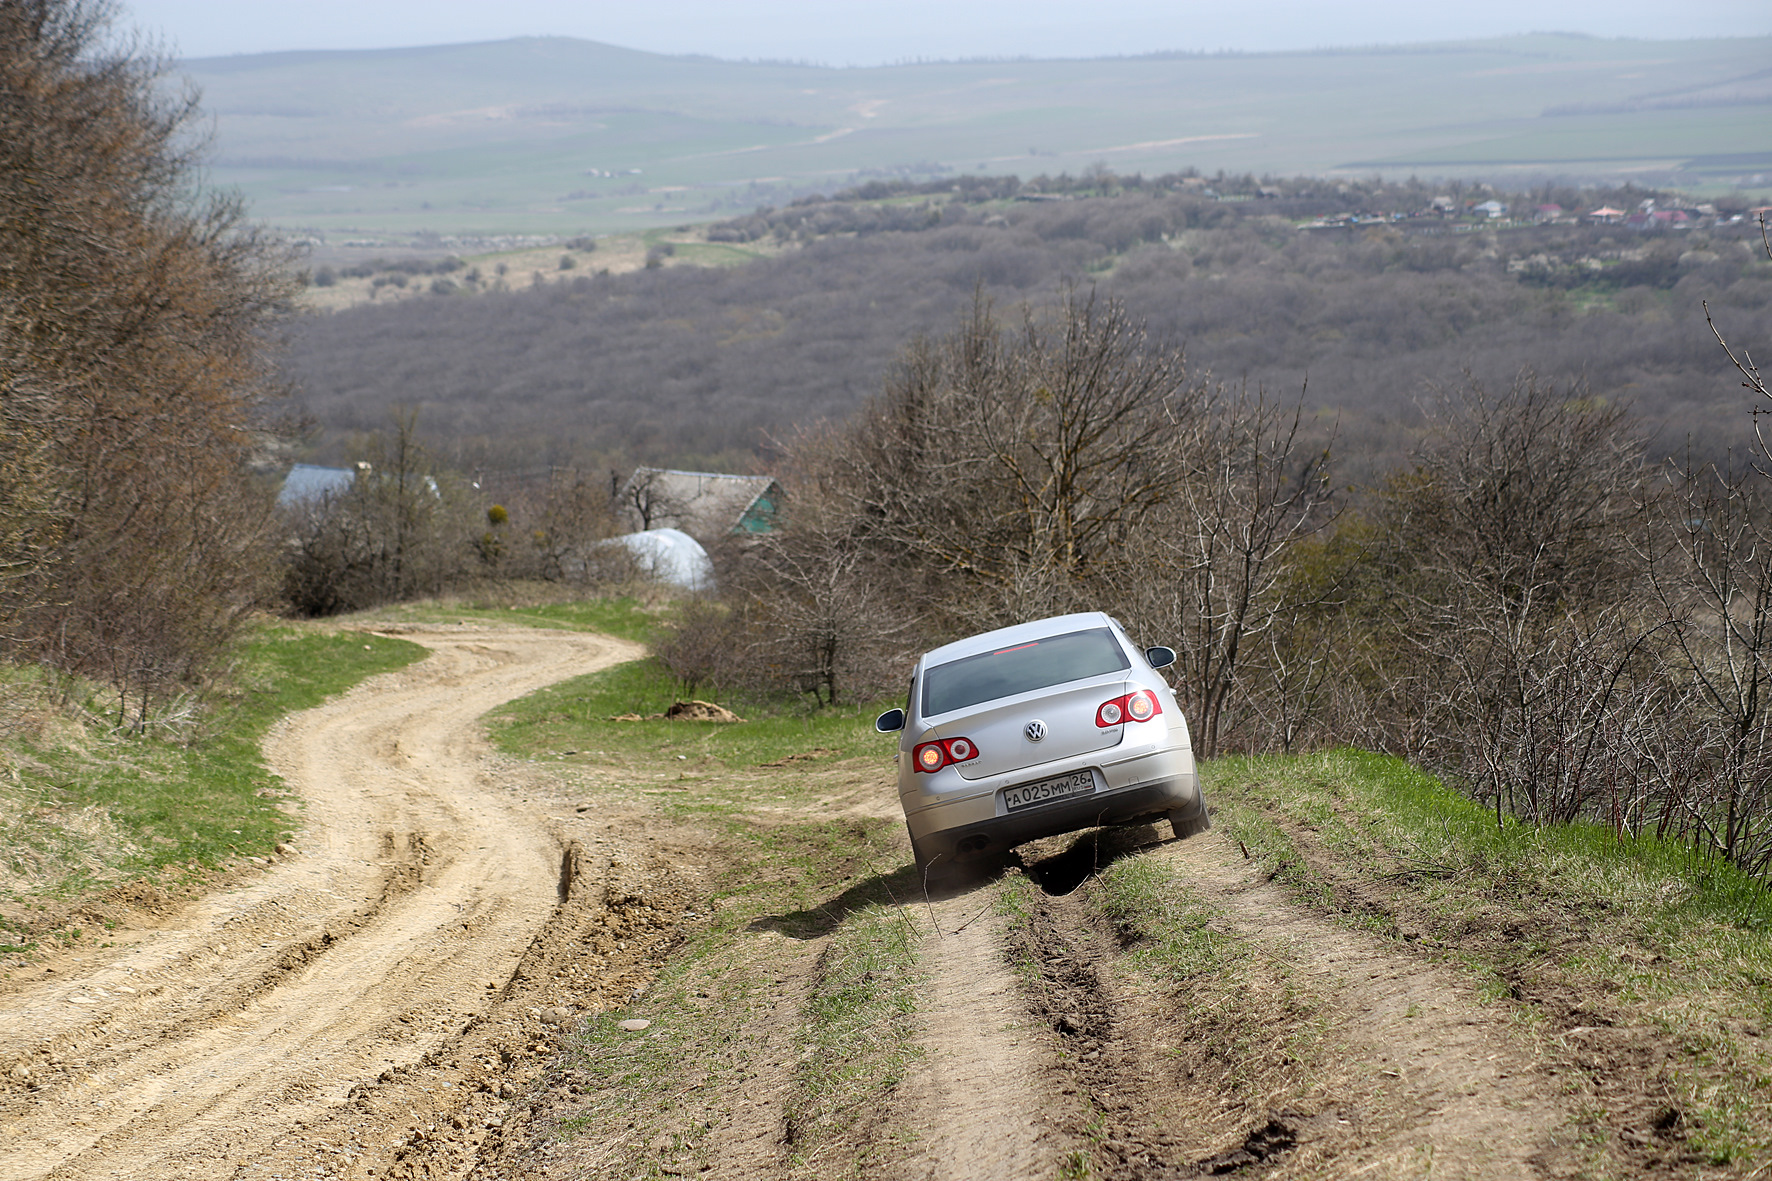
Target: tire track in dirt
419, 882
1416, 1076
1440, 1082
978, 1104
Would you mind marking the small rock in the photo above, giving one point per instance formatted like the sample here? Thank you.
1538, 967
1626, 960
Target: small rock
634, 1025
22, 1073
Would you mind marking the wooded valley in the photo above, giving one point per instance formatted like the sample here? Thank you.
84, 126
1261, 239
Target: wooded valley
701, 366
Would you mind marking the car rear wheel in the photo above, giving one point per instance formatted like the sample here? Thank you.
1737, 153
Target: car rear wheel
1188, 822
936, 871
926, 862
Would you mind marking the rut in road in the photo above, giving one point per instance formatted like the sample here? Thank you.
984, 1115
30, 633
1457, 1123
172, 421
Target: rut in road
421, 880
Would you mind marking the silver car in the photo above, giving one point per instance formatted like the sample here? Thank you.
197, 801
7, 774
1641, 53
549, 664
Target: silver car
1038, 729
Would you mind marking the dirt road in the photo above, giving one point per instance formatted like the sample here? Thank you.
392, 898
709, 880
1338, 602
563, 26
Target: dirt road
419, 884
406, 993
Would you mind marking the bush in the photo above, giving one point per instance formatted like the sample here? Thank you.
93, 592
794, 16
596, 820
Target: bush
133, 537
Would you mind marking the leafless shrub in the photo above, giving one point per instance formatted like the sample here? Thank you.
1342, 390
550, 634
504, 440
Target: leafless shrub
558, 537
706, 644
131, 309
403, 529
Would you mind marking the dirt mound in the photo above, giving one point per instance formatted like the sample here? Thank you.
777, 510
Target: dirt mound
684, 711
700, 711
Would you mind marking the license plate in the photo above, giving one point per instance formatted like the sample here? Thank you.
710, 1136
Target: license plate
1028, 794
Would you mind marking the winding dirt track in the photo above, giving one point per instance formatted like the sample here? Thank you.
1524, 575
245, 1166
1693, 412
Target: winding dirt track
418, 885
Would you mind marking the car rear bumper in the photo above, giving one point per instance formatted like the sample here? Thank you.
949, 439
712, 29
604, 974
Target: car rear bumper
1148, 800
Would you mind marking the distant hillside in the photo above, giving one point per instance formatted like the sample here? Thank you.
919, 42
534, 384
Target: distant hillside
691, 364
552, 135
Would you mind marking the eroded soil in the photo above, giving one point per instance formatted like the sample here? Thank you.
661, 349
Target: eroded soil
427, 985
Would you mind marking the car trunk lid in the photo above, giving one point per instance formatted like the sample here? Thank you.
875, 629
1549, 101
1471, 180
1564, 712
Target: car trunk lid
1067, 717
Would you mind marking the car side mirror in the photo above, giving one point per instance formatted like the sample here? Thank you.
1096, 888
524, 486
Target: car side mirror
1160, 657
890, 722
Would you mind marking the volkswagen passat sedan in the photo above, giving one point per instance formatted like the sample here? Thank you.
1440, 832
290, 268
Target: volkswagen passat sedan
1038, 729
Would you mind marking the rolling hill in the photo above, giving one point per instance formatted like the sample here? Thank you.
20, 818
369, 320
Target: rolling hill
554, 135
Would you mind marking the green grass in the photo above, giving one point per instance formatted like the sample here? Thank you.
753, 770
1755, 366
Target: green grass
1646, 931
624, 618
89, 805
1169, 928
859, 1035
1411, 824
574, 716
782, 883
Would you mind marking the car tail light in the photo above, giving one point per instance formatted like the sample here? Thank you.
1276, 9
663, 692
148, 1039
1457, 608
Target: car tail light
1141, 706
944, 752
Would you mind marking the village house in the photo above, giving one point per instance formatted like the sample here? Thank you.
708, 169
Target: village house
705, 505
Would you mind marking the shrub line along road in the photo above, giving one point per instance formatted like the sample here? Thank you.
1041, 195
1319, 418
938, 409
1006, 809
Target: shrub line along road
378, 1003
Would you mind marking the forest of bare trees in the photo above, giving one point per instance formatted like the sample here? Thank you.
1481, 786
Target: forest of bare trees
698, 366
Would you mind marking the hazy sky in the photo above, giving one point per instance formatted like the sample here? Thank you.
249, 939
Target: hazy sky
868, 32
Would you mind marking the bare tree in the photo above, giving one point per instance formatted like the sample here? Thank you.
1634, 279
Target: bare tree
575, 514
648, 500
1020, 464
1506, 638
1219, 573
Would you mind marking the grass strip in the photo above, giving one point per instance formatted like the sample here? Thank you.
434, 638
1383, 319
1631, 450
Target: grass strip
661, 1101
577, 715
857, 1041
625, 617
806, 915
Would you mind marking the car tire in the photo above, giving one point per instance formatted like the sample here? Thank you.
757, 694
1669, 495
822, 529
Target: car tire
933, 869
1189, 822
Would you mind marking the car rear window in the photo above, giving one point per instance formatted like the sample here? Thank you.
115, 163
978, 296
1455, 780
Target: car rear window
1021, 668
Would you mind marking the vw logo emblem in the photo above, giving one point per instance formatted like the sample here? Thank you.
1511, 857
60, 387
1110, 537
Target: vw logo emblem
1035, 731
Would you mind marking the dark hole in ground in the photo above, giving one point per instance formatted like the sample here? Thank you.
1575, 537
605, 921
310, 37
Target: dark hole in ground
1089, 854
1264, 1143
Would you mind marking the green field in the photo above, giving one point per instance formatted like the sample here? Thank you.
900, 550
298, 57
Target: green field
517, 136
